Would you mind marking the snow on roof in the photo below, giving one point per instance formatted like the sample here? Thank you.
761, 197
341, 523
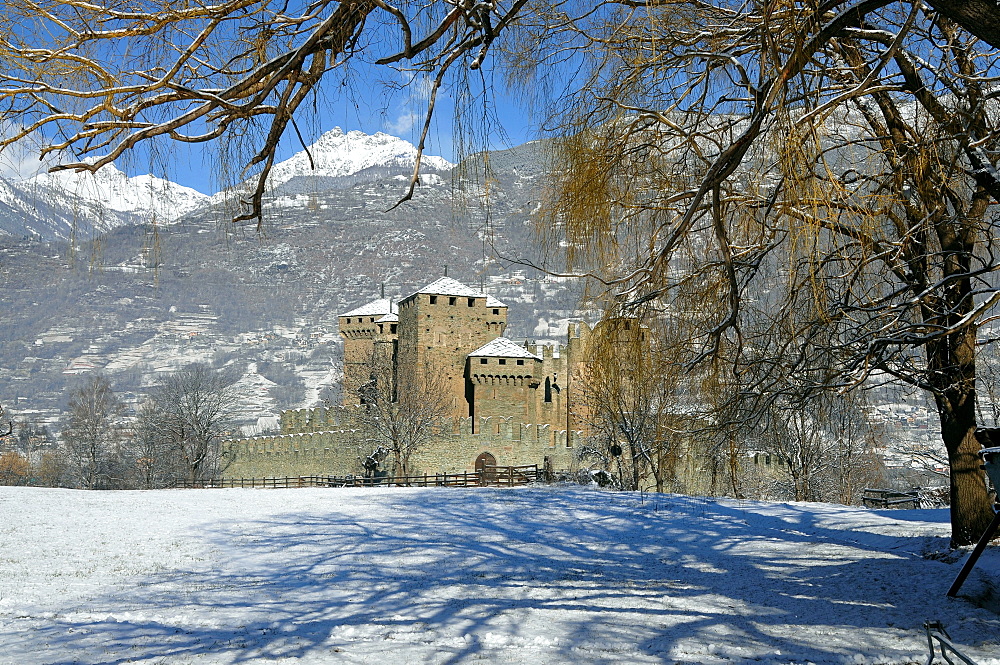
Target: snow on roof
375, 307
389, 318
502, 347
446, 286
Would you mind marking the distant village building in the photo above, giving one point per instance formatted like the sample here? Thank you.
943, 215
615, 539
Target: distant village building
510, 403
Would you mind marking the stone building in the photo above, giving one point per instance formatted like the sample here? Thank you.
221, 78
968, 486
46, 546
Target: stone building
509, 403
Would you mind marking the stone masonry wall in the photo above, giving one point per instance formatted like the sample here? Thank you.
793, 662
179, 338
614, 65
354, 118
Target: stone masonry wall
339, 451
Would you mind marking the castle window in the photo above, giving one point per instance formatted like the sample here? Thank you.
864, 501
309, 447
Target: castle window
381, 328
373, 319
452, 301
482, 361
548, 389
503, 361
392, 328
520, 362
472, 302
434, 300
496, 312
348, 320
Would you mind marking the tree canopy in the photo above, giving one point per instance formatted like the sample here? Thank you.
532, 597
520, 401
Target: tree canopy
834, 170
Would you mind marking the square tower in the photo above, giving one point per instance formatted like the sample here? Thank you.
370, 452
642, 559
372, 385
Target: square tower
439, 326
373, 325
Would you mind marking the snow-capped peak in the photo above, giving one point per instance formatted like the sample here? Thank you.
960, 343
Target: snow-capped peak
337, 153
142, 195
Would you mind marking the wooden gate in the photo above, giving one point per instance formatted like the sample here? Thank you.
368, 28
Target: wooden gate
483, 461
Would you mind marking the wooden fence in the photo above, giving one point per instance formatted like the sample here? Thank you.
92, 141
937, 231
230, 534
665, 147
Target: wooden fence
495, 476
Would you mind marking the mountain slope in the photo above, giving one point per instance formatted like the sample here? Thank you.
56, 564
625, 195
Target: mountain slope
143, 300
63, 205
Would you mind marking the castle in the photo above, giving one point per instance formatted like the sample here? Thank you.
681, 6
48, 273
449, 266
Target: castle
506, 403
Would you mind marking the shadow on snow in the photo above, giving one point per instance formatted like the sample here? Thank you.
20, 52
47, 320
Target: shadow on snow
581, 575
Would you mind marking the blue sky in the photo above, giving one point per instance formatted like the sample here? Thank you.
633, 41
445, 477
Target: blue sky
362, 104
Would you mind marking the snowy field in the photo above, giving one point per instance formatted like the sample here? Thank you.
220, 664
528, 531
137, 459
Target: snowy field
542, 575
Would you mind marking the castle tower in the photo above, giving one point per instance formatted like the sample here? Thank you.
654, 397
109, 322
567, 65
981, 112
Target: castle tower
551, 400
439, 325
576, 352
365, 329
503, 379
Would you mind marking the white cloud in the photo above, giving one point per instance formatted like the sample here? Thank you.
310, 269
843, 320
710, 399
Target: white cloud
414, 109
21, 160
403, 124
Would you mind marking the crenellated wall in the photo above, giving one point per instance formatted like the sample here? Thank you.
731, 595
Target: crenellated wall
435, 331
327, 441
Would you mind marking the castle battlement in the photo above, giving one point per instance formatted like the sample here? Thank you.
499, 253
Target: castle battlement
509, 403
310, 425
453, 450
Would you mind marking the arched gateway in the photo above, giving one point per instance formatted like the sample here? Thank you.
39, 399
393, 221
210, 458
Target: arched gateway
483, 461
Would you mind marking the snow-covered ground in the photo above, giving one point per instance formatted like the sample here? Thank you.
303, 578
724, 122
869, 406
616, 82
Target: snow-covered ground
540, 575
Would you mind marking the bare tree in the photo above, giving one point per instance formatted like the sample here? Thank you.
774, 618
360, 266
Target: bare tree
153, 457
631, 396
92, 435
10, 424
52, 470
402, 409
822, 449
188, 415
774, 158
856, 462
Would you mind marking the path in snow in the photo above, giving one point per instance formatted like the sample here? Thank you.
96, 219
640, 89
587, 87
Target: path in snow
541, 575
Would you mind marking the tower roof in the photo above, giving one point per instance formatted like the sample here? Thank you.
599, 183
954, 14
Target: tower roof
374, 308
446, 286
502, 347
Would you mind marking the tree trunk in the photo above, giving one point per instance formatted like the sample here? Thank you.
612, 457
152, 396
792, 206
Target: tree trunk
952, 365
734, 468
970, 503
980, 17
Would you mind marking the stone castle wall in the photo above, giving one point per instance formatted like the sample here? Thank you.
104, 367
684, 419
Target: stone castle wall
436, 334
327, 441
490, 404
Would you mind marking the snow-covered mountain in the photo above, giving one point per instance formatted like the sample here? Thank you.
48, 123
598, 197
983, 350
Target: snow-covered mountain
64, 204
337, 154
338, 160
67, 204
144, 195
